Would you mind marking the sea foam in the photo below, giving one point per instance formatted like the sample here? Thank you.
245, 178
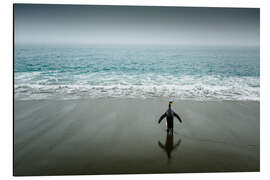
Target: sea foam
187, 87
198, 74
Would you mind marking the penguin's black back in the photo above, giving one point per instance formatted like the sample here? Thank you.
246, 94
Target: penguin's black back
169, 113
169, 117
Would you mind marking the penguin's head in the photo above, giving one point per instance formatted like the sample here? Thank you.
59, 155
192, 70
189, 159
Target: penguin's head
170, 103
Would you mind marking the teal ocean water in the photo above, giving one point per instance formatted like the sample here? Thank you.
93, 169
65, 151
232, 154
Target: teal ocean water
137, 72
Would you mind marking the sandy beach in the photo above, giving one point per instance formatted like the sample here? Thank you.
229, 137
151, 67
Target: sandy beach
112, 136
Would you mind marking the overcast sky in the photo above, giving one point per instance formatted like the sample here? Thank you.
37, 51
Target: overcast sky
74, 24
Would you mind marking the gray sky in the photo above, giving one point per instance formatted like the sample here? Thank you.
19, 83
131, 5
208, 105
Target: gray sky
85, 24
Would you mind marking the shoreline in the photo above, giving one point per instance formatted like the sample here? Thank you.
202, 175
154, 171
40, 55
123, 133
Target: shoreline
158, 99
122, 136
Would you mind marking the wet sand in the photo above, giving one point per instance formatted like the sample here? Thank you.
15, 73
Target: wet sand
116, 136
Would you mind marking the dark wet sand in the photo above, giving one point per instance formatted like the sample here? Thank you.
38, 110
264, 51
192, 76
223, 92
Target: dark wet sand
116, 136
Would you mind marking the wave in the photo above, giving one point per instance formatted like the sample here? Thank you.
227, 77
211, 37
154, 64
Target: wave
143, 86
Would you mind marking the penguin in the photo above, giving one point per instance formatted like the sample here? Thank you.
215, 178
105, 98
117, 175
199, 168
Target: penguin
169, 114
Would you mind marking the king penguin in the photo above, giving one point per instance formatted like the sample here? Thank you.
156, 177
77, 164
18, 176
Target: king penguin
169, 114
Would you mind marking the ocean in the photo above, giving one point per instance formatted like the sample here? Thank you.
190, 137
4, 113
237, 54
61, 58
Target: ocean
206, 73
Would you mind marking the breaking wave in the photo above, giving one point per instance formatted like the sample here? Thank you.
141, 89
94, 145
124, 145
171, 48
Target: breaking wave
136, 86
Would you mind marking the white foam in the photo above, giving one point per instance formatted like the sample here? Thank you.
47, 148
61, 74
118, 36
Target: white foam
186, 87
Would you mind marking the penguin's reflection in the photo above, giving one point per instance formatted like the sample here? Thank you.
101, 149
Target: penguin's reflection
168, 147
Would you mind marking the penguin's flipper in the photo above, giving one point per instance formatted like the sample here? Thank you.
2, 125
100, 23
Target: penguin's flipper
177, 116
162, 117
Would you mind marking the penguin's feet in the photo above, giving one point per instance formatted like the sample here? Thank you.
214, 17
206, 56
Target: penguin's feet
169, 130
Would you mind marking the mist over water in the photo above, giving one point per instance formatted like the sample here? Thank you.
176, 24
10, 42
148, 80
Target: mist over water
223, 73
81, 24
81, 51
